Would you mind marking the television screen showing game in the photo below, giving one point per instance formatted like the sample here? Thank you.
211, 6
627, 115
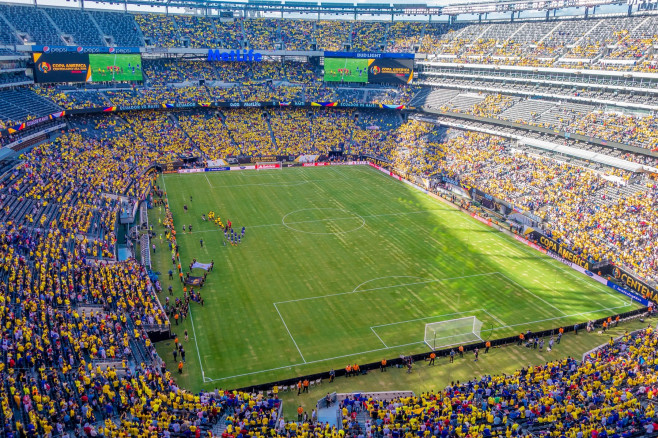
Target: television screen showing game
115, 67
345, 70
379, 68
83, 67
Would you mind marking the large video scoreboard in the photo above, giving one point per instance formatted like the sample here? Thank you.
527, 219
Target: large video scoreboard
373, 68
86, 67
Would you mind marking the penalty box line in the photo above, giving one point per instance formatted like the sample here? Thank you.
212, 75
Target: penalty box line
285, 325
385, 287
310, 362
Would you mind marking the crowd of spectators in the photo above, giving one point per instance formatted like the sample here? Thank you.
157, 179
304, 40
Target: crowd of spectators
581, 208
75, 354
609, 393
636, 129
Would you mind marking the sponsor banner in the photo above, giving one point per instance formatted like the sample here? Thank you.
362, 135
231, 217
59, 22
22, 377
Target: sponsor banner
265, 158
234, 55
348, 163
199, 170
242, 167
368, 55
417, 187
217, 169
530, 244
632, 283
481, 219
562, 251
267, 166
628, 293
85, 49
590, 274
316, 164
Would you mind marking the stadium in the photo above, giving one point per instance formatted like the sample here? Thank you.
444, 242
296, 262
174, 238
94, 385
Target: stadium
328, 219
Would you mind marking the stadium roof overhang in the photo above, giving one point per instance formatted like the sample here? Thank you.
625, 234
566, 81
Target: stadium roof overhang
351, 7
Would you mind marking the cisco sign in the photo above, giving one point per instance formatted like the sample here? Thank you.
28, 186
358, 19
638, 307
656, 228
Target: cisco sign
234, 55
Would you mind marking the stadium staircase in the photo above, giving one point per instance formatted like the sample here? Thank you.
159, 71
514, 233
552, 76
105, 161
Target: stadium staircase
384, 41
361, 418
269, 127
219, 427
550, 32
176, 123
4, 20
244, 35
53, 24
350, 40
100, 31
578, 43
179, 35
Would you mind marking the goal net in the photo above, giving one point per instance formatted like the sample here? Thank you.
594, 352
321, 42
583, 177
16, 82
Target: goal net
452, 332
265, 165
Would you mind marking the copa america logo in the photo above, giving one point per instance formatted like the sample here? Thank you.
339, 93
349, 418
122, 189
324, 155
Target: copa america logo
44, 67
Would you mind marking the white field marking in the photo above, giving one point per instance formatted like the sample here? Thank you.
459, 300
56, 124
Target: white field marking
278, 224
382, 278
209, 183
287, 225
293, 183
385, 287
206, 379
562, 317
288, 330
198, 353
536, 296
498, 320
373, 330
399, 346
426, 317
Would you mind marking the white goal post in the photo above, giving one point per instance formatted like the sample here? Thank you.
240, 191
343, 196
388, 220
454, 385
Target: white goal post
267, 165
452, 332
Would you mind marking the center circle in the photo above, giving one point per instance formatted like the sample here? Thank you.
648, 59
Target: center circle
326, 220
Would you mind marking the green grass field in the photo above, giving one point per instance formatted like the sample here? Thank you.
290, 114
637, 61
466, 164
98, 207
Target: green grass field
102, 61
344, 264
345, 69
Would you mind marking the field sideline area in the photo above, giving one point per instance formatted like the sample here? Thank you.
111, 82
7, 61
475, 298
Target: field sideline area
343, 265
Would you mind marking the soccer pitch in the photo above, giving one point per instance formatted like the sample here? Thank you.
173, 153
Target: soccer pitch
335, 70
343, 265
125, 63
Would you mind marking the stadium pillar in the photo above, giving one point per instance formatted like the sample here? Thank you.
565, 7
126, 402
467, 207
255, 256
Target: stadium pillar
586, 12
548, 15
630, 9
